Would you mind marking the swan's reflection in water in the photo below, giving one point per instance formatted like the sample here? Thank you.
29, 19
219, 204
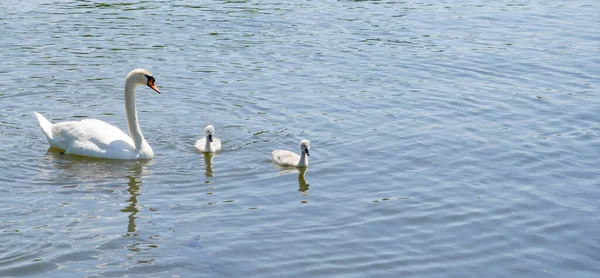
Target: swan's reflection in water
303, 185
208, 169
60, 167
94, 174
133, 187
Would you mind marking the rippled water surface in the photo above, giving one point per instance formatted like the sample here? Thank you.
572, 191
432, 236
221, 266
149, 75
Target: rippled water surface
449, 139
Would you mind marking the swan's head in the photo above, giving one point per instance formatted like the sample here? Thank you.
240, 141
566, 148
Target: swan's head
305, 146
210, 132
142, 77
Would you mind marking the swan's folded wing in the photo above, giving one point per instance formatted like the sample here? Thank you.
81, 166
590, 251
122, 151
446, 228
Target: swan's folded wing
199, 146
92, 136
286, 158
216, 144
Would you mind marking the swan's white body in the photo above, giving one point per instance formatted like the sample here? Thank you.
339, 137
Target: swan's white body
208, 144
288, 158
95, 138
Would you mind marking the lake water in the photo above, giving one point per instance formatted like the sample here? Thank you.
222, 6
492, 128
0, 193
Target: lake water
449, 139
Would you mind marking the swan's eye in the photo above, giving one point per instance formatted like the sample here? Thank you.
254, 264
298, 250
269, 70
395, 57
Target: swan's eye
151, 80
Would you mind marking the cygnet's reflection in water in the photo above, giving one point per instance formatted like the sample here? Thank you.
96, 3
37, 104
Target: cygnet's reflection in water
85, 173
208, 169
303, 185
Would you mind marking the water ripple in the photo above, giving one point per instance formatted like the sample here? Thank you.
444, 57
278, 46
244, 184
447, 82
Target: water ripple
448, 139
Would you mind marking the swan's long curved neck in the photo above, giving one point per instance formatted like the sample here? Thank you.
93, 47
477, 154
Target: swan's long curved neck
132, 122
303, 159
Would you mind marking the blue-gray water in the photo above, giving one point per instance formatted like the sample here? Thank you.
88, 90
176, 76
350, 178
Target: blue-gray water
449, 139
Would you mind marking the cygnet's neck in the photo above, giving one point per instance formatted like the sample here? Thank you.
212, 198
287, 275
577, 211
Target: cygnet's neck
208, 145
303, 159
132, 121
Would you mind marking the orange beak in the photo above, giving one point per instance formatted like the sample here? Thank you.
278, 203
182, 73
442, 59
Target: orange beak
151, 85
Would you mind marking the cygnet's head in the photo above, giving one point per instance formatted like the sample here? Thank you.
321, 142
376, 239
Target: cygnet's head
210, 132
305, 146
142, 77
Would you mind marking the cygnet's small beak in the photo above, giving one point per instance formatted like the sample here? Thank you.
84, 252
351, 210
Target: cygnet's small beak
306, 151
210, 138
151, 85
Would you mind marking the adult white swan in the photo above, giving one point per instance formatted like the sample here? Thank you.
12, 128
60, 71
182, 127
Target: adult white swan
95, 138
209, 143
288, 158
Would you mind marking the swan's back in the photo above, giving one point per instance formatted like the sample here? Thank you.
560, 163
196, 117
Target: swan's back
286, 158
91, 130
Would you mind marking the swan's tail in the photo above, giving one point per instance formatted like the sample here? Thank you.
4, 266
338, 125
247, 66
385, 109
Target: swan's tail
45, 125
